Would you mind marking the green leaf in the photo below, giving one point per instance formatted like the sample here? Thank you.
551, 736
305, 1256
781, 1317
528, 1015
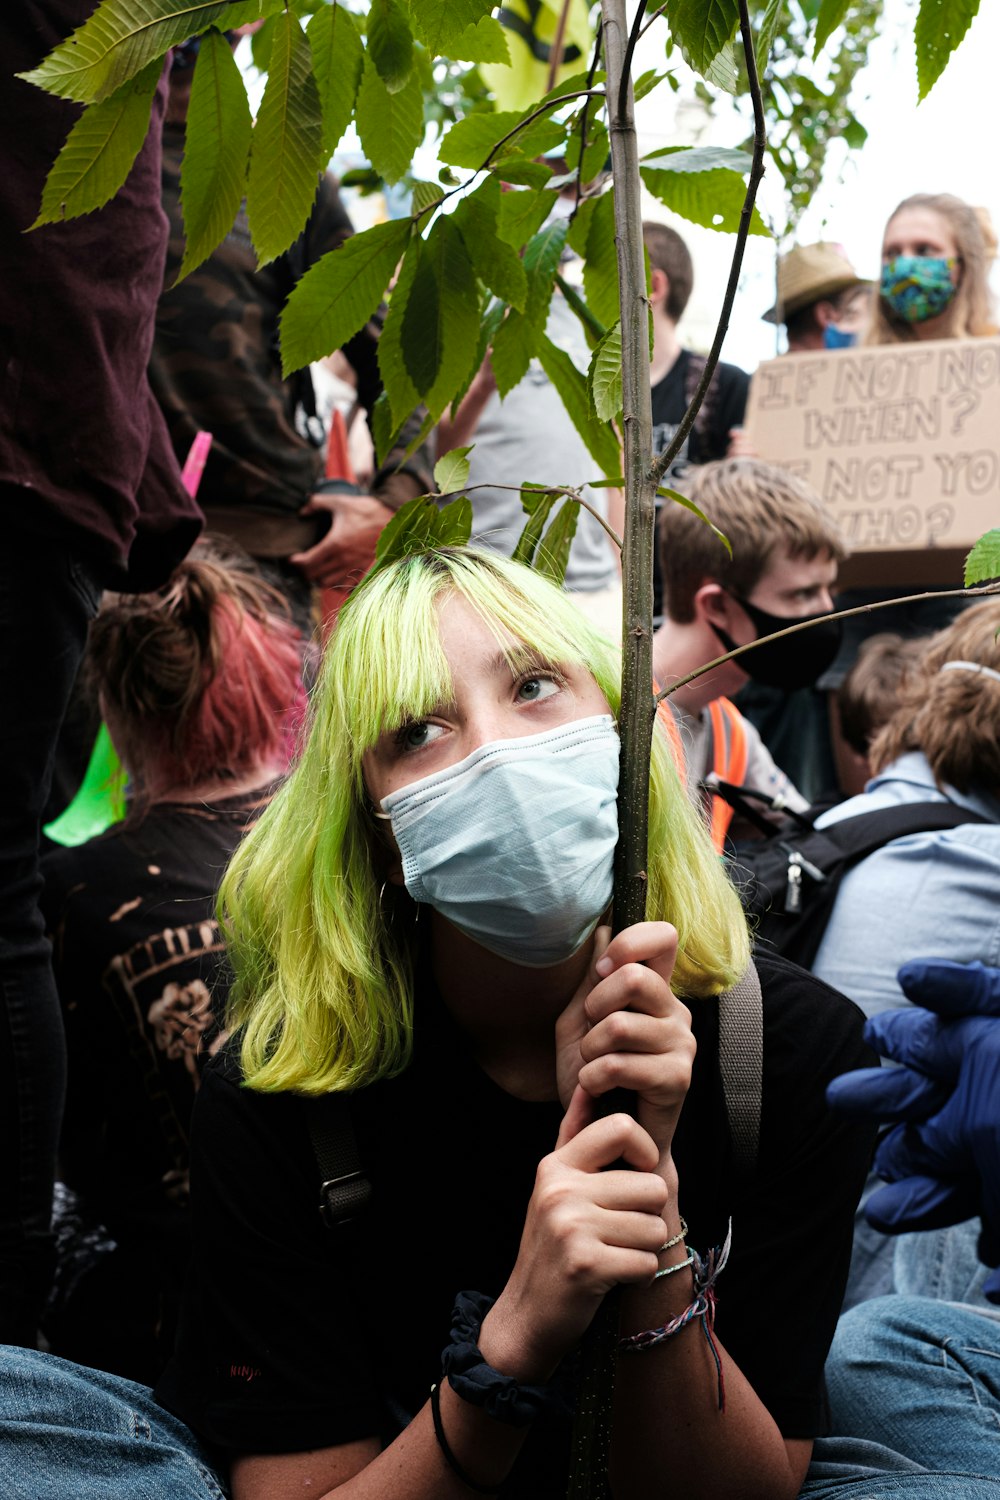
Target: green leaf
426, 195
768, 30
451, 472
423, 322
595, 155
700, 159
490, 318
408, 531
449, 178
605, 376
941, 25
524, 171
486, 42
260, 45
401, 392
338, 58
339, 293
471, 141
390, 43
552, 557
513, 346
714, 199
216, 147
983, 562
118, 41
495, 262
384, 430
438, 23
541, 262
440, 331
100, 151
600, 271
391, 126
520, 215
703, 27
538, 502
579, 229
454, 523
832, 13
286, 156
721, 71
646, 83
602, 443
688, 504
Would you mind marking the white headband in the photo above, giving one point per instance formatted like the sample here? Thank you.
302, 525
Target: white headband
970, 666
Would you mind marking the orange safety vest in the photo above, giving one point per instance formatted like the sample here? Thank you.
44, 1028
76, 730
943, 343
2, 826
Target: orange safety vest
730, 754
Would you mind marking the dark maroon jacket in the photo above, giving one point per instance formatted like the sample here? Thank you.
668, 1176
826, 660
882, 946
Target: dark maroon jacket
84, 455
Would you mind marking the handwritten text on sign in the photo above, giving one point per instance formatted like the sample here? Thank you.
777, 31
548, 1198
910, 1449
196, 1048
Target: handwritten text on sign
903, 442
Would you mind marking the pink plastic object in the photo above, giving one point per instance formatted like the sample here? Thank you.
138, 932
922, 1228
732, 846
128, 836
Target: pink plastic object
194, 464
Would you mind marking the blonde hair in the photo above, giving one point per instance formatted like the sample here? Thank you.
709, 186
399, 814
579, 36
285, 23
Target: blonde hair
323, 992
970, 310
759, 508
953, 717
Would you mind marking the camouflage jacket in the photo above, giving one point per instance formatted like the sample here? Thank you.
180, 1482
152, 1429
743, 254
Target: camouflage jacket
215, 365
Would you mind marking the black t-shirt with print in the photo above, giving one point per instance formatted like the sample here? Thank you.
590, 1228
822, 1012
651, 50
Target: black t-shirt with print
722, 409
296, 1336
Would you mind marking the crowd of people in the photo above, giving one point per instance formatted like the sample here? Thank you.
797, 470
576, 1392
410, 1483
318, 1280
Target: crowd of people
337, 1111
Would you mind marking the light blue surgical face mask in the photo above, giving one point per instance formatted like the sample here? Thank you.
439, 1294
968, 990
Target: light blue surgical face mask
515, 844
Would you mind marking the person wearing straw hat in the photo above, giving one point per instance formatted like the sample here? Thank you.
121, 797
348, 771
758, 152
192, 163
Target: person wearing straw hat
821, 299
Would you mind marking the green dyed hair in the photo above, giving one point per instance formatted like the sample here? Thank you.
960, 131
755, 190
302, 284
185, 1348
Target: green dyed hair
323, 987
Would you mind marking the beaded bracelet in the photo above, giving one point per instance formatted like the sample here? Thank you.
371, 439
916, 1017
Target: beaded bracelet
680, 1266
501, 1396
446, 1453
675, 1239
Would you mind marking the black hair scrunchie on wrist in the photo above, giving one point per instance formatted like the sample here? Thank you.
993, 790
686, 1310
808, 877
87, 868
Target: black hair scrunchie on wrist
501, 1396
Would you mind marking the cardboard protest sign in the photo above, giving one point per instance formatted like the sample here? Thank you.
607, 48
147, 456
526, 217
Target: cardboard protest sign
902, 441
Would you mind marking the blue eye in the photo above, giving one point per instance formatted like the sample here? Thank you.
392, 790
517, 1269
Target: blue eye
533, 689
416, 736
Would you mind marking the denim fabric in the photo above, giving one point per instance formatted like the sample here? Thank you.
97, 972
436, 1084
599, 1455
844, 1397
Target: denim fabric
915, 1402
48, 597
70, 1433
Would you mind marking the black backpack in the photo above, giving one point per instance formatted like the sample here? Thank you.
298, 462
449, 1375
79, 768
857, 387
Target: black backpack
788, 880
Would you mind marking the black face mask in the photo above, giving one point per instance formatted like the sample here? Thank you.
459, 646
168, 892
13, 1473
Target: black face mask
797, 660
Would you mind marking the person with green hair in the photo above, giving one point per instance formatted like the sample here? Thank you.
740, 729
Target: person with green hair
417, 924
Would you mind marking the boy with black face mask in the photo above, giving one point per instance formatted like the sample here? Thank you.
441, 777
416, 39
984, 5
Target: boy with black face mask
785, 552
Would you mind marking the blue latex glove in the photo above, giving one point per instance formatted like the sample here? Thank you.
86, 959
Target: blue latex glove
943, 1164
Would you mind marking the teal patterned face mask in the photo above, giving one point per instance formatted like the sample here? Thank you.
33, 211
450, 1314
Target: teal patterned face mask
918, 287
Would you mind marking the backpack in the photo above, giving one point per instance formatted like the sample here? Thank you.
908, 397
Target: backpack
789, 879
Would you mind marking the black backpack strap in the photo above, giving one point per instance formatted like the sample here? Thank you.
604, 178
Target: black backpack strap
861, 835
345, 1191
741, 1064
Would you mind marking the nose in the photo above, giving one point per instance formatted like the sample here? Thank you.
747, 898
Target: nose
826, 601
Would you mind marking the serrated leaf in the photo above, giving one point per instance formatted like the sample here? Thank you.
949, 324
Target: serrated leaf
451, 472
444, 322
489, 323
423, 322
552, 556
520, 215
602, 443
339, 293
391, 126
475, 139
118, 41
703, 27
983, 562
538, 504
699, 159
408, 531
486, 42
216, 147
454, 523
714, 199
513, 348
605, 375
600, 271
338, 57
390, 43
579, 229
399, 388
495, 262
941, 25
286, 155
524, 171
438, 23
767, 31
689, 504
100, 151
721, 71
384, 430
832, 13
541, 262
423, 433
426, 195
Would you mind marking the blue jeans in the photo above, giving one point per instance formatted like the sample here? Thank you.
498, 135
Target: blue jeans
70, 1433
48, 597
915, 1400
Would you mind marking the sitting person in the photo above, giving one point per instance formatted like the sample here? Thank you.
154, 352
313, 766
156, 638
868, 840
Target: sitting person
199, 684
415, 922
785, 551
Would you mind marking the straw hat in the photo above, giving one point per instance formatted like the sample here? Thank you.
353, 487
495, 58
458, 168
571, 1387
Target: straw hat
807, 274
